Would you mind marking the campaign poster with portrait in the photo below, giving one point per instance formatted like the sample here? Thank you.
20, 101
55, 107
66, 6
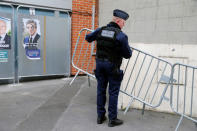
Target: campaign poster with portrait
5, 33
31, 38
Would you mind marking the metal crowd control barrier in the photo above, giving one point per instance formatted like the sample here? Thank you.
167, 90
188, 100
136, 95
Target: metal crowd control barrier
183, 92
145, 75
82, 61
145, 79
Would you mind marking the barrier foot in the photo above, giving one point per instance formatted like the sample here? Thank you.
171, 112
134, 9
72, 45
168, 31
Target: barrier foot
143, 108
129, 105
89, 80
74, 77
180, 120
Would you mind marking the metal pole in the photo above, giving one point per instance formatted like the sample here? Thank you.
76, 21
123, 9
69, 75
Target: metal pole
180, 120
93, 20
143, 109
74, 77
93, 16
16, 47
128, 106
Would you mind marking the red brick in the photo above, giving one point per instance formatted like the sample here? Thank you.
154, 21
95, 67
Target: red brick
81, 18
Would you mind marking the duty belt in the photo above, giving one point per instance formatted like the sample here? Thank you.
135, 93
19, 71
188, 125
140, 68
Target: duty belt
102, 59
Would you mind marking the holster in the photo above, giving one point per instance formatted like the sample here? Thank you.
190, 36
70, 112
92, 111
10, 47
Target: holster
118, 74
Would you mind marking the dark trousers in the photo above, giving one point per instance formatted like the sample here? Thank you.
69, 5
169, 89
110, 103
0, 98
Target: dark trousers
104, 75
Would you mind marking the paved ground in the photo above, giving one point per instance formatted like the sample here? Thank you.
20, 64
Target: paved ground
53, 105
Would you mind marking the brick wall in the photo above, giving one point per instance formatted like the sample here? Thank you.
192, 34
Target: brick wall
82, 18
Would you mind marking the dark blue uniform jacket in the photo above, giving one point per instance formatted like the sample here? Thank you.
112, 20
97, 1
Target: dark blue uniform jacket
121, 38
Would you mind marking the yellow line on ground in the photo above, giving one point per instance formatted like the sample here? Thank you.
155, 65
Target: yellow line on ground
44, 51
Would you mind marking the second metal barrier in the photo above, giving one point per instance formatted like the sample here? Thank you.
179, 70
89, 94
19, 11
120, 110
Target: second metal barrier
184, 92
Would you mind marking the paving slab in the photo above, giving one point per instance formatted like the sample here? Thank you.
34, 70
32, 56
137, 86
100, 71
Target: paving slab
81, 116
54, 105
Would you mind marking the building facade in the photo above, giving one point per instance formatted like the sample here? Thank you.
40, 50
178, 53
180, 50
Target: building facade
166, 29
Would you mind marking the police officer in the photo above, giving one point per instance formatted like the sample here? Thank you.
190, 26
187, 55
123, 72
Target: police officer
112, 46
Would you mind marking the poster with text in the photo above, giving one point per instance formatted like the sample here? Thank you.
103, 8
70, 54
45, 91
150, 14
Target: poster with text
5, 33
31, 37
3, 56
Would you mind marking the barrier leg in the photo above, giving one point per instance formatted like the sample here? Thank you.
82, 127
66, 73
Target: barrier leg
89, 80
180, 120
143, 108
129, 105
74, 77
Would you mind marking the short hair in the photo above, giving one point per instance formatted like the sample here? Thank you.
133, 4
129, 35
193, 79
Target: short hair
30, 22
115, 19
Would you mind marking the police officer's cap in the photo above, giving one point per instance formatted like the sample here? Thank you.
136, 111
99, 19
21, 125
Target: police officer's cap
121, 14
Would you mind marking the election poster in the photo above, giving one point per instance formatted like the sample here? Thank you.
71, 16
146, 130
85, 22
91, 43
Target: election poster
31, 39
5, 33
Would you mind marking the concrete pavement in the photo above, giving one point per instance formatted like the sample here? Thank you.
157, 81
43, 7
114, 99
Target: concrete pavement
53, 105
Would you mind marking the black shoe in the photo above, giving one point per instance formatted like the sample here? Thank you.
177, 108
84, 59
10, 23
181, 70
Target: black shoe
100, 120
115, 122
